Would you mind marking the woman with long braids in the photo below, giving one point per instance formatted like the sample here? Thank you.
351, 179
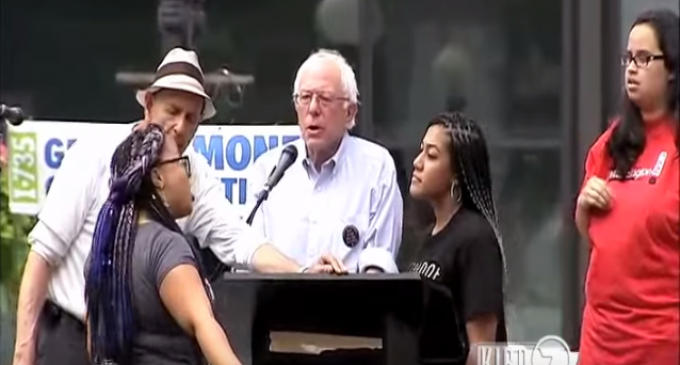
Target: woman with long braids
628, 210
147, 301
463, 256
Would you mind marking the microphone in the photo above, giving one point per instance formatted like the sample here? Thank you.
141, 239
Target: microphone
288, 157
14, 115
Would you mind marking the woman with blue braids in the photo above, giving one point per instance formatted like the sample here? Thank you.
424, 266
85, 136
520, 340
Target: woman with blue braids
147, 301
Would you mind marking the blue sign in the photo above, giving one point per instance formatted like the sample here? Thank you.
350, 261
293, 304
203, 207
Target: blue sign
229, 154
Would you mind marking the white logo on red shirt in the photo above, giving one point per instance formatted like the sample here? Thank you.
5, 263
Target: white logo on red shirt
638, 173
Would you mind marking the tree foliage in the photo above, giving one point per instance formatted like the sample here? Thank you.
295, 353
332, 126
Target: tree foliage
13, 248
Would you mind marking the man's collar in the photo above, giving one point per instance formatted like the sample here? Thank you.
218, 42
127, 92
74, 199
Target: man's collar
336, 159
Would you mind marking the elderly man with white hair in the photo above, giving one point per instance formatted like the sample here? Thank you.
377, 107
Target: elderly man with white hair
51, 312
341, 196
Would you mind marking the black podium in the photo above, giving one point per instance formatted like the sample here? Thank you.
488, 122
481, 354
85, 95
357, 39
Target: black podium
386, 306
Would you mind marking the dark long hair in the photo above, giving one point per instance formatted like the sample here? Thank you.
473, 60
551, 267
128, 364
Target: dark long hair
108, 287
628, 137
470, 161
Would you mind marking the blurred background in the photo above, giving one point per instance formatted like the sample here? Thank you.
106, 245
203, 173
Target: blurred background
541, 76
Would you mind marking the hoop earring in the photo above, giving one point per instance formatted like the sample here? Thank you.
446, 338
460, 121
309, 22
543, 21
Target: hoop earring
163, 200
456, 193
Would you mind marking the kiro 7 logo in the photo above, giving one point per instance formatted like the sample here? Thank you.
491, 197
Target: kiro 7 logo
549, 350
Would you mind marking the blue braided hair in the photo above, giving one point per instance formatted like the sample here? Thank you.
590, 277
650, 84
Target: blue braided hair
108, 289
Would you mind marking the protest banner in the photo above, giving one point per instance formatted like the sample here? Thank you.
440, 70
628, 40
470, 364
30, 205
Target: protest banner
36, 149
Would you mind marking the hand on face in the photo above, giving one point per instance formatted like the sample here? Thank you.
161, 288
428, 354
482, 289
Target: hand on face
176, 111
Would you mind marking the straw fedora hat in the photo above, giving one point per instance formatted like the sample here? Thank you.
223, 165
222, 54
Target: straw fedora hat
180, 70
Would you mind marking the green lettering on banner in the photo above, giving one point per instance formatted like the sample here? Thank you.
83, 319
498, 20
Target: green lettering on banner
23, 168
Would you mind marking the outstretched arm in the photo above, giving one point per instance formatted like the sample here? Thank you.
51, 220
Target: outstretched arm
172, 266
183, 294
216, 223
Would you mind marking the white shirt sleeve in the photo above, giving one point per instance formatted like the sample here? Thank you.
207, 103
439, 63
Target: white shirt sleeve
385, 227
67, 204
215, 222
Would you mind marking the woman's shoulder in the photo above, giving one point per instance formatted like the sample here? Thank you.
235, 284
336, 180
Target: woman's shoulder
155, 234
597, 160
474, 226
602, 140
468, 229
161, 249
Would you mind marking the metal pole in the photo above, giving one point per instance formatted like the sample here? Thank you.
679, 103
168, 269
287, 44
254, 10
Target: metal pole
180, 22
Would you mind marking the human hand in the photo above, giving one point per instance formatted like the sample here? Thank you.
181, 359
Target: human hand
595, 194
328, 264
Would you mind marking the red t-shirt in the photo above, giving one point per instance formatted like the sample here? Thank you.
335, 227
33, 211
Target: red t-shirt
632, 312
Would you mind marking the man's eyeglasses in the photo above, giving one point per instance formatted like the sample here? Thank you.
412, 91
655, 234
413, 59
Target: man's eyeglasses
305, 98
640, 60
183, 161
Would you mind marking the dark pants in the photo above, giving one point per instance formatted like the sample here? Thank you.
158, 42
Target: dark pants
61, 338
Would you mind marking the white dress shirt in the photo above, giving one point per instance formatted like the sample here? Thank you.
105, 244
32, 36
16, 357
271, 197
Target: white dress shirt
307, 212
63, 234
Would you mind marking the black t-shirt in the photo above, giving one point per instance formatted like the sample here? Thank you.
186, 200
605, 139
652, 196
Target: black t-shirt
463, 262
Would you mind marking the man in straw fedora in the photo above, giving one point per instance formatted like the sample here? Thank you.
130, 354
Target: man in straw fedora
51, 311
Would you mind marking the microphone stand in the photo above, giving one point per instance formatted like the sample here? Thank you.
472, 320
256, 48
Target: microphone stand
261, 197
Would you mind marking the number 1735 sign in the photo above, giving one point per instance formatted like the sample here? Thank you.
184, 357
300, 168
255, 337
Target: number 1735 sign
24, 186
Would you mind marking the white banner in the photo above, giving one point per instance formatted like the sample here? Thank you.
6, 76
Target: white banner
36, 149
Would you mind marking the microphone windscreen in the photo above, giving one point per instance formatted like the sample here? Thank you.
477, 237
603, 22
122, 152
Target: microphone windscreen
292, 150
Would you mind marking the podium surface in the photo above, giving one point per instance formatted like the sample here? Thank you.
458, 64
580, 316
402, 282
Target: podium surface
386, 306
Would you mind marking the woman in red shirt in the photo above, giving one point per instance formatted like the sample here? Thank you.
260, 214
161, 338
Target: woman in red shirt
628, 209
